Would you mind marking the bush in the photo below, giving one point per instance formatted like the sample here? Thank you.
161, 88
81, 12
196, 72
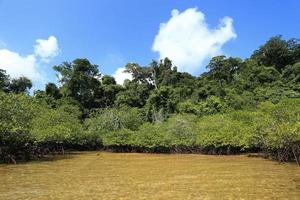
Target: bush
105, 122
280, 132
175, 132
151, 136
181, 131
16, 114
222, 131
121, 138
270, 126
59, 126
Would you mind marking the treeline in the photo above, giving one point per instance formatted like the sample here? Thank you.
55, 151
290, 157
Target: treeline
250, 105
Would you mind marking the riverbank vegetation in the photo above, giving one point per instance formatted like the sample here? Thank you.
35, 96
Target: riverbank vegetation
250, 105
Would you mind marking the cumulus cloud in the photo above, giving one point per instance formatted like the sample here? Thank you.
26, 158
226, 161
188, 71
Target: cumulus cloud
120, 76
17, 65
188, 41
46, 49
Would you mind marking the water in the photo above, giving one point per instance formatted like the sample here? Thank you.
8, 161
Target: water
94, 175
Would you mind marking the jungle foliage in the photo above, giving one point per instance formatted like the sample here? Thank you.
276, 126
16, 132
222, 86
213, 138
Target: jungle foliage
250, 105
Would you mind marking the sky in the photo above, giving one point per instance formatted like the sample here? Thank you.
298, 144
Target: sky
36, 35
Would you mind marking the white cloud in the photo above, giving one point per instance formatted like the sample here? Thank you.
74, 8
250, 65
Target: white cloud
16, 65
120, 76
46, 49
188, 41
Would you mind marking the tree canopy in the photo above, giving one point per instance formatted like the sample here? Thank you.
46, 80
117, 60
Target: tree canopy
237, 105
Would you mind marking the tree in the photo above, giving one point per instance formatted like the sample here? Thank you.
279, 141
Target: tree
4, 80
164, 73
20, 85
52, 91
108, 80
80, 80
292, 73
134, 95
276, 52
160, 102
139, 74
223, 69
108, 94
267, 75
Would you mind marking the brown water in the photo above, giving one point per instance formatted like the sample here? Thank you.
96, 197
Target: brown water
95, 175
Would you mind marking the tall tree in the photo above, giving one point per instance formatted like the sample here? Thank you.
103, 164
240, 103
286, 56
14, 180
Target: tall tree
164, 73
108, 80
80, 80
135, 94
222, 68
4, 80
276, 52
109, 91
52, 90
20, 85
139, 74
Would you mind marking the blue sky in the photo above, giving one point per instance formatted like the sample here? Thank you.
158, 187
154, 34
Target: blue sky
111, 33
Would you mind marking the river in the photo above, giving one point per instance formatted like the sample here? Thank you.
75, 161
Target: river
101, 175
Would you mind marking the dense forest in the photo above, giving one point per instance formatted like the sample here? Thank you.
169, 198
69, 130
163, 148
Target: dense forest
238, 105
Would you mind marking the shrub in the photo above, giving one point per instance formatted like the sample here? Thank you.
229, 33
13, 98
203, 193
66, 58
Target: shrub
180, 130
56, 126
16, 114
105, 122
151, 136
123, 137
221, 131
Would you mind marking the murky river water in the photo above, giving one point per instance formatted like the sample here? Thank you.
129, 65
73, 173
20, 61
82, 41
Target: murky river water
107, 176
